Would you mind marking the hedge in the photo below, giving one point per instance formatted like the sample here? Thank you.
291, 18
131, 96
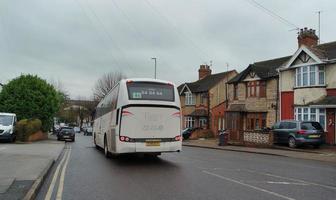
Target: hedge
26, 127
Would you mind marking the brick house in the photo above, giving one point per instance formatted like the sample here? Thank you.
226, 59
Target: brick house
308, 83
203, 101
254, 97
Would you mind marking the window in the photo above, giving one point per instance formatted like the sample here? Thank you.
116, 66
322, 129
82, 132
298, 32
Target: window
203, 98
256, 121
256, 89
150, 91
311, 114
202, 122
235, 91
309, 76
321, 75
189, 122
189, 98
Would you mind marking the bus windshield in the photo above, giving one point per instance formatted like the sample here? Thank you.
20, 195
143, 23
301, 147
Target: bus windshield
150, 91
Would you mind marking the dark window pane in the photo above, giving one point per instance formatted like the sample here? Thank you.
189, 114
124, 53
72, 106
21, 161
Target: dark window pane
150, 91
311, 126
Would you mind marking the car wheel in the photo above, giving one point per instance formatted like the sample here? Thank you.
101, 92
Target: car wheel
73, 140
58, 139
106, 151
292, 142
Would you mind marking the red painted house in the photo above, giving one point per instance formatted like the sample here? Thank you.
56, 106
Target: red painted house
308, 83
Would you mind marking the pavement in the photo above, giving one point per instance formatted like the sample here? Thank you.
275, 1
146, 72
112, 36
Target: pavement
324, 153
195, 173
23, 165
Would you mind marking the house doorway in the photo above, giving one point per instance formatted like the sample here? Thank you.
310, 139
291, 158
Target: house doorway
234, 124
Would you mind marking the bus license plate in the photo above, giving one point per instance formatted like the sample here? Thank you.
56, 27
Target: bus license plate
152, 143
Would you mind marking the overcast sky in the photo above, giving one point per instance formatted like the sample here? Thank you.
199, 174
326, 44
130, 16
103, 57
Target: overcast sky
76, 41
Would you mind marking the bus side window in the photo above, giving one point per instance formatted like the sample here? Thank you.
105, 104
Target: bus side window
117, 117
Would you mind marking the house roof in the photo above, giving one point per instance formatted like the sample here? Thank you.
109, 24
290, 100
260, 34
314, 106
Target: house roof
206, 83
264, 69
326, 50
325, 101
268, 68
199, 113
237, 108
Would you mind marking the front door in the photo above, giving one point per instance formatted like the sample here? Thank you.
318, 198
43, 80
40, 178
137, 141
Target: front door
234, 124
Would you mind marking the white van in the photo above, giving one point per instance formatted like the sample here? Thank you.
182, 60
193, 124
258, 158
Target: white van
7, 126
139, 116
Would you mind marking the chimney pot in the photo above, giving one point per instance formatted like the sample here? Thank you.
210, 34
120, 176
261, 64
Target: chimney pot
307, 37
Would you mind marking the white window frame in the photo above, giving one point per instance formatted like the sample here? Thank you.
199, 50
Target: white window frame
189, 98
189, 122
319, 112
314, 70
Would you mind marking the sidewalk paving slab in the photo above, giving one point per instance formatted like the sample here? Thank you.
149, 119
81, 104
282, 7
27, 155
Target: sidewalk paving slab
326, 154
25, 164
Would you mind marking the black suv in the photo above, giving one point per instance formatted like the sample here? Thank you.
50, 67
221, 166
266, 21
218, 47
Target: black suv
66, 133
295, 133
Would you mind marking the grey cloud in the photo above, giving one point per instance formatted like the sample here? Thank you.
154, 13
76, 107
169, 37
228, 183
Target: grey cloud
64, 40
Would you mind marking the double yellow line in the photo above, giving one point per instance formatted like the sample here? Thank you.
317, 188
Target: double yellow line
63, 164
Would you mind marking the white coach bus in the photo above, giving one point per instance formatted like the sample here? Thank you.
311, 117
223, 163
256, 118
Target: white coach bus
139, 116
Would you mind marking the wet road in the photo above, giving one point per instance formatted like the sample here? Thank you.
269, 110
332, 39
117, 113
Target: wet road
195, 173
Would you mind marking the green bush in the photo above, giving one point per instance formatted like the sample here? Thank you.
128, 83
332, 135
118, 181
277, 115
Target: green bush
26, 127
31, 97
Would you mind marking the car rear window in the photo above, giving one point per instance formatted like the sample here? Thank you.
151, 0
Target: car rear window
311, 126
150, 91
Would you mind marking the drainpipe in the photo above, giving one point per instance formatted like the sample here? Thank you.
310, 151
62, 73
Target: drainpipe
277, 99
208, 99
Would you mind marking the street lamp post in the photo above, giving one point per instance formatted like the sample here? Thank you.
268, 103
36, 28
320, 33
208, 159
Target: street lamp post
155, 67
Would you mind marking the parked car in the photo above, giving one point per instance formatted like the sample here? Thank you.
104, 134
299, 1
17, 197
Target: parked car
186, 133
66, 133
7, 126
296, 133
77, 130
88, 131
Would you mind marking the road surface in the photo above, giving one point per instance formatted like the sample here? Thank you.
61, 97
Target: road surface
195, 173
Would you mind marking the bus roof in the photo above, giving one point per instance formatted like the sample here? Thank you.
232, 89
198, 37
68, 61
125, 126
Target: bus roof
148, 80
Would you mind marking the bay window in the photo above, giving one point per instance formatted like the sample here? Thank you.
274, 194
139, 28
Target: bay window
309, 76
189, 98
311, 114
256, 121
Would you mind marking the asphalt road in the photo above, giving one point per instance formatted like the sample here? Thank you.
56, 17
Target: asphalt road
195, 173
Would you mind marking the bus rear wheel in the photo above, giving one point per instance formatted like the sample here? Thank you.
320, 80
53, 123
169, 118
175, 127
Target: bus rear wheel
106, 151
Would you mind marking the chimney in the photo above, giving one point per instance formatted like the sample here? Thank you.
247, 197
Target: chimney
307, 37
204, 71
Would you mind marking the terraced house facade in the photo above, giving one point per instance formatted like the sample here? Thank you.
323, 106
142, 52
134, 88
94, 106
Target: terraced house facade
203, 101
254, 98
308, 83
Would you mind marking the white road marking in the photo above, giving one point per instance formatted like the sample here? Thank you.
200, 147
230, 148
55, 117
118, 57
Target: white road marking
292, 179
285, 183
247, 185
61, 181
54, 179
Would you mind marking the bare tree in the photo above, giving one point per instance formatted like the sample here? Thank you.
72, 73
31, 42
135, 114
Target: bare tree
105, 83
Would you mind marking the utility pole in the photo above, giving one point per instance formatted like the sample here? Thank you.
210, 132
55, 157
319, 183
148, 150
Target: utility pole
155, 67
